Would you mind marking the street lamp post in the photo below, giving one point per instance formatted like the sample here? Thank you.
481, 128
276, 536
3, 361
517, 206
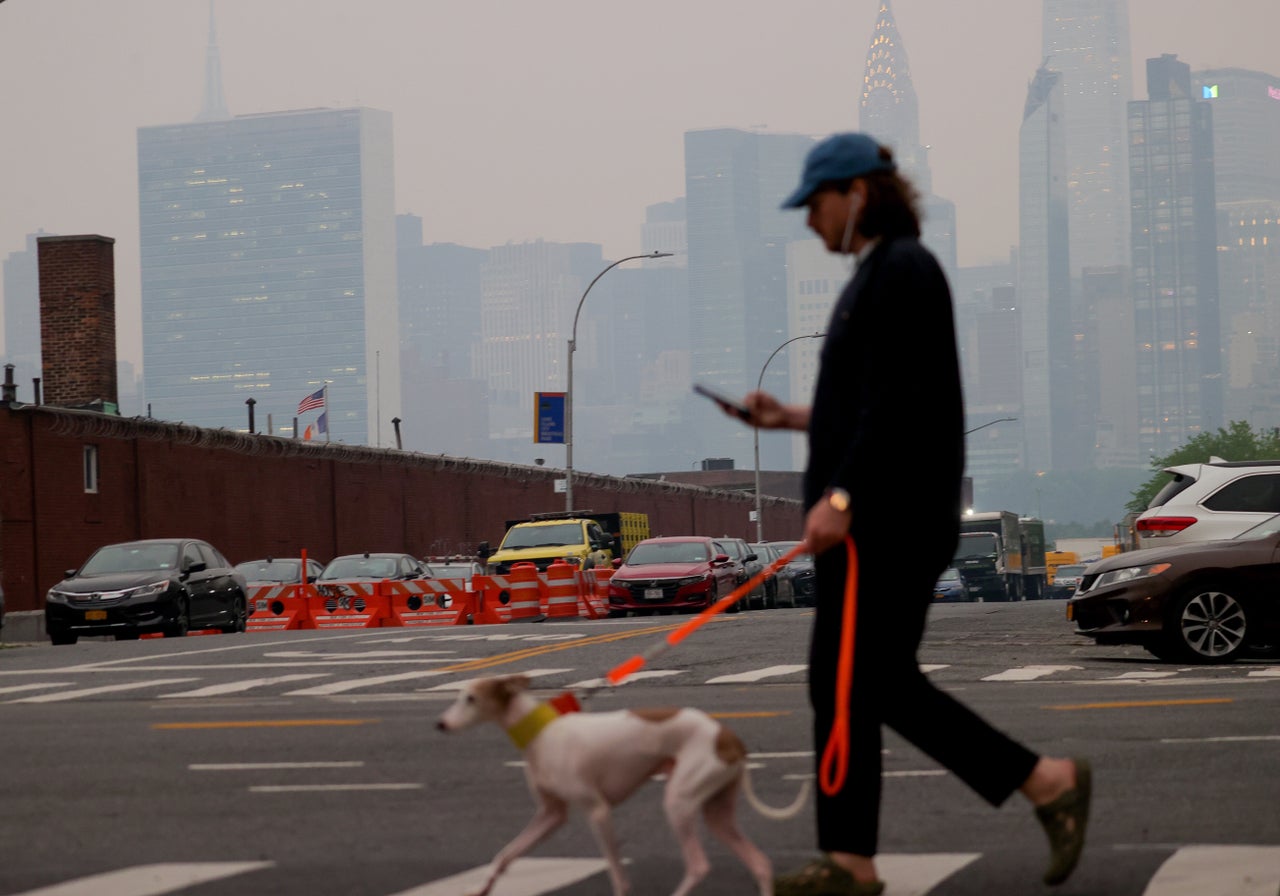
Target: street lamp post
992, 423
759, 385
568, 392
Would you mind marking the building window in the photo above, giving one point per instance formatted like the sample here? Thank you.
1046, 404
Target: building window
91, 469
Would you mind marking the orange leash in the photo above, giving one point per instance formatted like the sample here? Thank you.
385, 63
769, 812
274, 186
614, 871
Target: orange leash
835, 758
627, 667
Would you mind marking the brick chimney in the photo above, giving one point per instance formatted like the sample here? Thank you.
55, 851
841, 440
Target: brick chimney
78, 320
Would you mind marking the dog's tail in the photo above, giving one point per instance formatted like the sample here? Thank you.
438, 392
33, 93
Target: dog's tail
770, 811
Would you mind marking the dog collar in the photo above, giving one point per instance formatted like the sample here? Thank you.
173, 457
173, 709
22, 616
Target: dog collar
524, 731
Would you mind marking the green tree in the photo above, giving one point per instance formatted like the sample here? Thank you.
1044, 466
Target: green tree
1238, 441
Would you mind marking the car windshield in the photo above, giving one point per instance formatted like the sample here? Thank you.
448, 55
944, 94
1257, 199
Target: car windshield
647, 554
359, 568
132, 558
949, 575
553, 536
270, 570
1069, 570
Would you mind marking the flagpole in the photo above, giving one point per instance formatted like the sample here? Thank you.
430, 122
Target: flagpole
328, 421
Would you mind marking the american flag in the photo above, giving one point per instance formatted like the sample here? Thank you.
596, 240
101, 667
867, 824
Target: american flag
312, 401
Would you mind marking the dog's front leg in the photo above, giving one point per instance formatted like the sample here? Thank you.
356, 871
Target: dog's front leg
601, 819
550, 815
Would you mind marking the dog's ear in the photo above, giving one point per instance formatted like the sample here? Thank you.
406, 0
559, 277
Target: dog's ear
514, 684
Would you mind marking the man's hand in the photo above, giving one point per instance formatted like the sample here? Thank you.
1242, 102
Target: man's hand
769, 413
825, 527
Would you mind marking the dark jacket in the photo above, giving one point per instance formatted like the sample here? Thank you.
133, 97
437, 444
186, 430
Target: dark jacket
887, 421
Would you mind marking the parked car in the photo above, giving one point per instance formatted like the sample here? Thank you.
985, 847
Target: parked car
1066, 579
454, 567
279, 571
685, 573
1202, 502
168, 585
950, 586
748, 565
799, 569
371, 567
777, 588
1204, 602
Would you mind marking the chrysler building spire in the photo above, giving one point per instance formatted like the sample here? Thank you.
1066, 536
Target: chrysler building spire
889, 110
215, 105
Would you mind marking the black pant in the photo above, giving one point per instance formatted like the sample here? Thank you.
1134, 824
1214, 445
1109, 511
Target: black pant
888, 688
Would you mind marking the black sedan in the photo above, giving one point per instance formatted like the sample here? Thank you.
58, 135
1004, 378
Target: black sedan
168, 585
1199, 602
799, 569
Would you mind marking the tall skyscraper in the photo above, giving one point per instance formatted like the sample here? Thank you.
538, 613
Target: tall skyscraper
734, 182
889, 110
1175, 268
1044, 279
268, 269
1246, 132
1087, 41
21, 311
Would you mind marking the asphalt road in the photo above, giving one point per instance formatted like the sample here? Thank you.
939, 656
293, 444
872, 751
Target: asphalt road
307, 762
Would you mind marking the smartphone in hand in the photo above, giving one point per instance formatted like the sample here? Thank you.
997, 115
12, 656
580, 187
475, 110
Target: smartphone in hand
733, 405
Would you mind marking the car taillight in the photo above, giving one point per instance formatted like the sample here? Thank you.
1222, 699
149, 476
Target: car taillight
1163, 526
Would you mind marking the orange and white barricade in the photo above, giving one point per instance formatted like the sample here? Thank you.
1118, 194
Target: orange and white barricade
275, 608
559, 591
509, 598
593, 593
430, 602
349, 605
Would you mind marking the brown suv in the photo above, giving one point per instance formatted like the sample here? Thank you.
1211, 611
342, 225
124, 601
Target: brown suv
1200, 602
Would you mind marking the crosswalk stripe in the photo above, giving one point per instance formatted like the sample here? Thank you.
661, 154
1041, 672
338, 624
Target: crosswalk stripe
35, 686
588, 683
756, 675
1218, 871
1029, 673
525, 877
340, 687
104, 689
148, 880
531, 673
236, 687
915, 875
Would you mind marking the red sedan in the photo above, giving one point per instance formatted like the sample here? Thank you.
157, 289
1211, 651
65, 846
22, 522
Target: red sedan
683, 573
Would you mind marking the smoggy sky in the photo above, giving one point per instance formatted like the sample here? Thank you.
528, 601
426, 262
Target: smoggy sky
514, 120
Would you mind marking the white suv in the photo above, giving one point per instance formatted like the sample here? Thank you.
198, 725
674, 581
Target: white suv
1210, 501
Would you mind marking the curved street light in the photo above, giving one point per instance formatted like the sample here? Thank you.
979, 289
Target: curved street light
759, 385
568, 392
992, 423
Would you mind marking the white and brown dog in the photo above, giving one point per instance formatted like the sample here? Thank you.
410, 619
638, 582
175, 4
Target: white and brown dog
597, 760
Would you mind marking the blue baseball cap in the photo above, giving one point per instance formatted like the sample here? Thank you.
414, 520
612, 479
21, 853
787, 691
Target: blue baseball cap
838, 157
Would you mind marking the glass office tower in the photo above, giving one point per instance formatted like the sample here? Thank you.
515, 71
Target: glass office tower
268, 271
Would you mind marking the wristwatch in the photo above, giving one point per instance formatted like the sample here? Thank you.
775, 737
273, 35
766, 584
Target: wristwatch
839, 499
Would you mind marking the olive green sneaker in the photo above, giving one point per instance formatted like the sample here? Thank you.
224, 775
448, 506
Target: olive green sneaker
1065, 820
823, 877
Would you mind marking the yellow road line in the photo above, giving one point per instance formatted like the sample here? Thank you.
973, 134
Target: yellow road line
1128, 704
543, 649
269, 723
749, 715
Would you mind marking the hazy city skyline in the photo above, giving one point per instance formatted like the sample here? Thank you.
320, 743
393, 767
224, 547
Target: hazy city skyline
559, 121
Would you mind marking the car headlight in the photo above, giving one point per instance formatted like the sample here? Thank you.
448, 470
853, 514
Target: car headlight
149, 590
57, 597
1129, 574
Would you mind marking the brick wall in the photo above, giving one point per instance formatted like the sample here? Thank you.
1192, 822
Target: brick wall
77, 319
255, 496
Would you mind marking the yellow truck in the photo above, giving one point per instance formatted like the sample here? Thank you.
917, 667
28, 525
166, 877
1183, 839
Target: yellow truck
582, 537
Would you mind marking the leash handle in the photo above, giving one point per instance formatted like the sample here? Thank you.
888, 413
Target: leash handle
835, 758
635, 663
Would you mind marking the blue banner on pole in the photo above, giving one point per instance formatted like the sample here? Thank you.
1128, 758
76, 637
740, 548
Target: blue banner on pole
548, 418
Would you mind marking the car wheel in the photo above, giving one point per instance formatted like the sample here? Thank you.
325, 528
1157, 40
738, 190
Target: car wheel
61, 638
1206, 625
127, 636
239, 618
179, 627
617, 614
